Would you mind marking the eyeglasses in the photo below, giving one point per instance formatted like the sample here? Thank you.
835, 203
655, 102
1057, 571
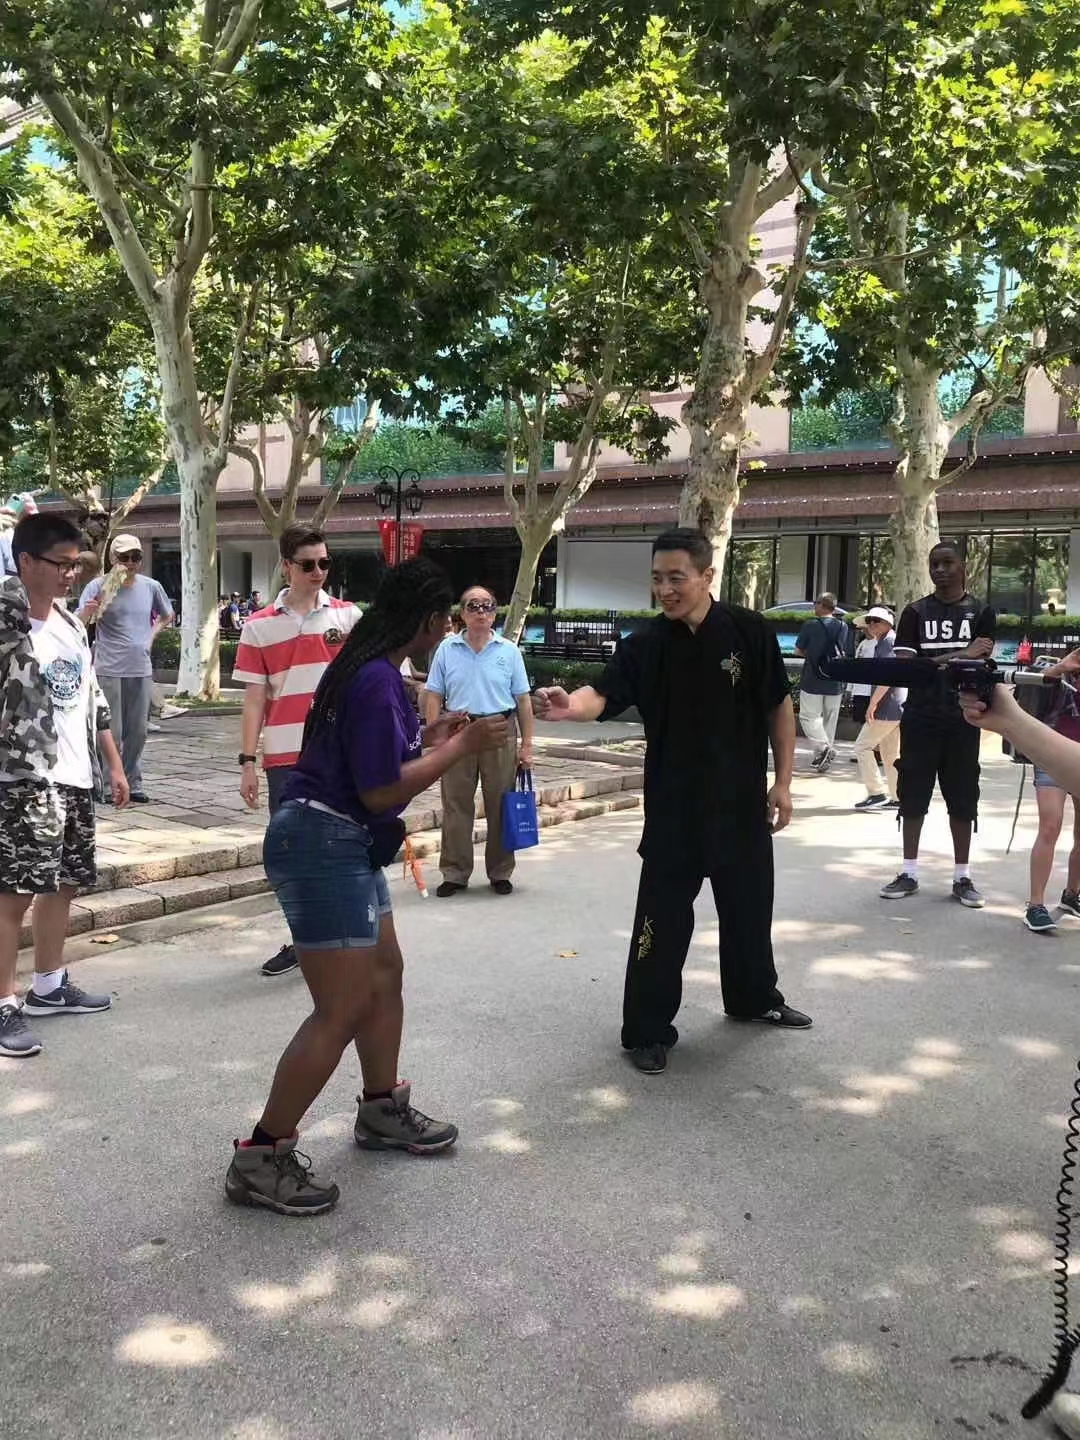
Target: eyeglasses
129, 557
64, 567
310, 566
480, 607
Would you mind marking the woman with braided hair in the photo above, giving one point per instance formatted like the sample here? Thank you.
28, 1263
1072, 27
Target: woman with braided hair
364, 757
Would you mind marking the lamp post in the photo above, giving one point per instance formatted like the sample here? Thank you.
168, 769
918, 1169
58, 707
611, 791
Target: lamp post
394, 495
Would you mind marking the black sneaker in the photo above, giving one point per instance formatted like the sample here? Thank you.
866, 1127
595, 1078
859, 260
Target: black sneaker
66, 999
1039, 919
900, 888
964, 891
649, 1059
281, 963
782, 1015
448, 888
872, 802
139, 797
1070, 903
502, 887
15, 1036
891, 805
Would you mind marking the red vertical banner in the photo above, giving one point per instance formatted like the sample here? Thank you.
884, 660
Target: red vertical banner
412, 537
388, 532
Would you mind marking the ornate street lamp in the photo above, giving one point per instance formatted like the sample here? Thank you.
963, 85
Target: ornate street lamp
395, 494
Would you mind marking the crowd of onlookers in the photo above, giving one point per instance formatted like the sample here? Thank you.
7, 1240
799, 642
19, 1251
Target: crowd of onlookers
233, 610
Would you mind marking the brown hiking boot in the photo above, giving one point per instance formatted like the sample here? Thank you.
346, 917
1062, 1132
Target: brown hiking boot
393, 1124
277, 1177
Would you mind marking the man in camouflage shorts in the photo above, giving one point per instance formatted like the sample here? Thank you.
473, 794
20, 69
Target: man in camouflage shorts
52, 718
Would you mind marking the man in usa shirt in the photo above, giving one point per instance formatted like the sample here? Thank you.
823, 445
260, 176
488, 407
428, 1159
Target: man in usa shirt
283, 652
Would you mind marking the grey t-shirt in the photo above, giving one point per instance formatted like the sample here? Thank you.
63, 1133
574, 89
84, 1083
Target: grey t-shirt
891, 706
122, 639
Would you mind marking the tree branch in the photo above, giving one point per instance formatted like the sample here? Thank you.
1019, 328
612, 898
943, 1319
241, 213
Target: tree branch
777, 189
232, 380
139, 494
258, 475
97, 176
334, 490
798, 173
237, 36
196, 219
509, 466
759, 370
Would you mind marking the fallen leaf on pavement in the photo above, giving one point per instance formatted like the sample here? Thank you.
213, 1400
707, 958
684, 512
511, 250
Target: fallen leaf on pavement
567, 954
104, 939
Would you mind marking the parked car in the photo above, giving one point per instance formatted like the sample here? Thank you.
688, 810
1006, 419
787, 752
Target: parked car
802, 607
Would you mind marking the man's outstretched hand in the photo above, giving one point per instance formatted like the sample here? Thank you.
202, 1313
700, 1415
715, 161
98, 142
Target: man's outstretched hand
552, 703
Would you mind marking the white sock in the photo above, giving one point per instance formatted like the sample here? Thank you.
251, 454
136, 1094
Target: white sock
8, 1000
910, 867
46, 981
961, 872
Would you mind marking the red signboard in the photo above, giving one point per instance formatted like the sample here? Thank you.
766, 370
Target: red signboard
412, 537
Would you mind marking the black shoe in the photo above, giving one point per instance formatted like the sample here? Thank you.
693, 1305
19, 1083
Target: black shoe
15, 1036
1070, 903
139, 797
872, 802
782, 1015
1037, 918
502, 887
281, 963
448, 888
649, 1059
964, 891
66, 999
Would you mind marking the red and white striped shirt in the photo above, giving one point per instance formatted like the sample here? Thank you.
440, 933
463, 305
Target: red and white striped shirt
288, 653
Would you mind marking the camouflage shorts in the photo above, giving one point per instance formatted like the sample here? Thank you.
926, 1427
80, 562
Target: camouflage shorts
46, 837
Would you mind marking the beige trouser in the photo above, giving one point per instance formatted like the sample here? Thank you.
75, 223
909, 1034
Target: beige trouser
496, 770
883, 735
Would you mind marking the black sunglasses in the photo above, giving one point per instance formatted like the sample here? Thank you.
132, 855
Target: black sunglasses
310, 566
126, 555
480, 607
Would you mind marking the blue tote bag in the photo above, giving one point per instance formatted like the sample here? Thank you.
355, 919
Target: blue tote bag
520, 825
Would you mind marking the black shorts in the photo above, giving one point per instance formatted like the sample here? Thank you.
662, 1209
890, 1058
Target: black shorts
46, 837
938, 752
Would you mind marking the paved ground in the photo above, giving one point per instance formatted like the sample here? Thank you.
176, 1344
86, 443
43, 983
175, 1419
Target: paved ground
835, 1234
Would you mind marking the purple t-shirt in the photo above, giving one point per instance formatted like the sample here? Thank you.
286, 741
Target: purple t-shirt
375, 732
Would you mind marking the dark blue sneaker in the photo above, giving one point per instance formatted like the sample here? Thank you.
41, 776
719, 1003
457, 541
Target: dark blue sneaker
15, 1037
900, 888
66, 999
282, 963
1038, 919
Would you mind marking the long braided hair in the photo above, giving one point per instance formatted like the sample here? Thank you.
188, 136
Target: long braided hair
408, 597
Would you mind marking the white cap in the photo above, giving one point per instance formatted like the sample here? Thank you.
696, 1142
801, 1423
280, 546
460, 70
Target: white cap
121, 544
878, 612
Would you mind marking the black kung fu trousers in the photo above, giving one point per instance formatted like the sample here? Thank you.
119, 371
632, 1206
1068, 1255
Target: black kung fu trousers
742, 886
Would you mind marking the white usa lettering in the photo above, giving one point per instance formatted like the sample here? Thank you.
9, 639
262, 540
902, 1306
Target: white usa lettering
965, 628
946, 629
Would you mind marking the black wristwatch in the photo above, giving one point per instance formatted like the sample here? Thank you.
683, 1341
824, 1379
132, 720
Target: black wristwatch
243, 759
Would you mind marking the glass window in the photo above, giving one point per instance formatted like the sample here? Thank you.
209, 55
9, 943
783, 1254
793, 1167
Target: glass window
875, 570
977, 561
749, 577
1051, 573
1010, 573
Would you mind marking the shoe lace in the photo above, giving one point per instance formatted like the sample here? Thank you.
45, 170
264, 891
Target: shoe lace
412, 1118
11, 1018
294, 1165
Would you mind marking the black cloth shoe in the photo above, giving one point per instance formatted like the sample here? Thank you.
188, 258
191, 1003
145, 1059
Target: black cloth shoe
281, 963
782, 1015
1070, 903
448, 888
502, 887
139, 797
649, 1059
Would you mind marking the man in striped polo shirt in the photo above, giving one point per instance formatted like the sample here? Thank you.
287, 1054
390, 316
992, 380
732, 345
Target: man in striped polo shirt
283, 651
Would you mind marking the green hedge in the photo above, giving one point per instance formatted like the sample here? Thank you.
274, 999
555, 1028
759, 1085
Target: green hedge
569, 673
167, 651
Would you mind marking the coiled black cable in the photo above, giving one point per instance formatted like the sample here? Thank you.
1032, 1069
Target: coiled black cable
1068, 1338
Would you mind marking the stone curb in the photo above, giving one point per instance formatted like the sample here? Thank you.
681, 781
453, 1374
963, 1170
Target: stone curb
145, 890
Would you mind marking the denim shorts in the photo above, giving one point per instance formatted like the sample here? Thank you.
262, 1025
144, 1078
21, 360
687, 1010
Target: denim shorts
1043, 781
320, 868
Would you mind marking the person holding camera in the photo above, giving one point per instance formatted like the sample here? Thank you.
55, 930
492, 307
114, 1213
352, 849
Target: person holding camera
936, 747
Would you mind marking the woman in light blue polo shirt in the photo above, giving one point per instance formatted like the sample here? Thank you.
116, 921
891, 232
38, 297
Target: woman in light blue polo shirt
483, 674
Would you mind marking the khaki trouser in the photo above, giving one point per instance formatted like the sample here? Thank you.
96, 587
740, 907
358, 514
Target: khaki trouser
496, 771
883, 735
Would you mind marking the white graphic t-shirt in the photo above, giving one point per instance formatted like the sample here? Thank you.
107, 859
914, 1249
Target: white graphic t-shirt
64, 658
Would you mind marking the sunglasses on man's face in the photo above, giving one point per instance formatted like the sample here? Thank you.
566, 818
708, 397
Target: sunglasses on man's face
480, 607
129, 557
310, 566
